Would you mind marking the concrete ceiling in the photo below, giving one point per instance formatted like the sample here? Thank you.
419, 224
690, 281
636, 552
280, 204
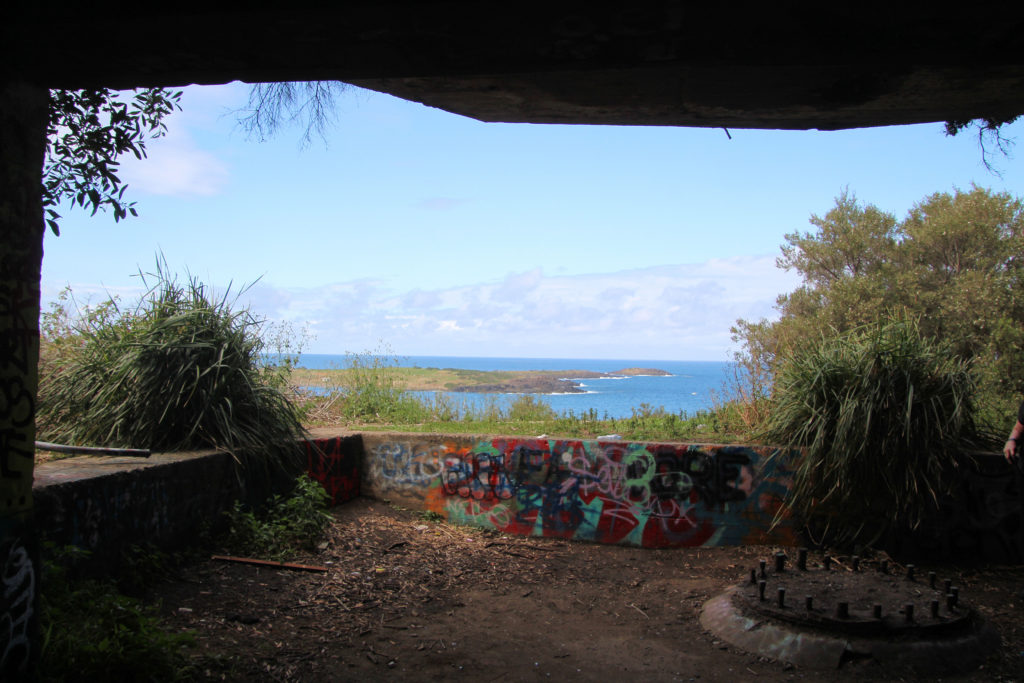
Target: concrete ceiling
764, 65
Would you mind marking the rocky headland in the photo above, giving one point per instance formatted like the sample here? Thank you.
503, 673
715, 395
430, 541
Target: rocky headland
550, 381
477, 381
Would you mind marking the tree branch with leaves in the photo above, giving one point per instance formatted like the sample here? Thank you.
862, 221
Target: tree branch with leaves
87, 132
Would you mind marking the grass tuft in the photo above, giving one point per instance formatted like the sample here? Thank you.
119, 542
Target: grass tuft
882, 413
180, 370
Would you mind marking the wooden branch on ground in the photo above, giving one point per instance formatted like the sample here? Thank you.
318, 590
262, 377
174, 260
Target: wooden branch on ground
270, 563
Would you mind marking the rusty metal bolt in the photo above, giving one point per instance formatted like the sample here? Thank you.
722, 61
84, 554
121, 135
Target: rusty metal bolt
828, 562
782, 597
856, 563
801, 559
950, 602
931, 580
910, 572
946, 585
780, 562
764, 565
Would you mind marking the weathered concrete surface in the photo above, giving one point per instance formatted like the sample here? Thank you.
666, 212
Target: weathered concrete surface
823, 650
23, 110
635, 493
983, 518
647, 62
106, 505
335, 460
654, 495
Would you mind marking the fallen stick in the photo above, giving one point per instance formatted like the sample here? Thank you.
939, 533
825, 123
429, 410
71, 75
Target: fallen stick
270, 563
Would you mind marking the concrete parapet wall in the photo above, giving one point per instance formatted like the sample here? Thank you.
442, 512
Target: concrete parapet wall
982, 519
652, 495
335, 461
105, 505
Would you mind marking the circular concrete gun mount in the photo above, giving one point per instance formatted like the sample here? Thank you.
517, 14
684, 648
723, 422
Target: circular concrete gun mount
819, 619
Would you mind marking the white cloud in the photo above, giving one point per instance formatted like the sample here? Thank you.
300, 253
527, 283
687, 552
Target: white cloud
665, 312
176, 167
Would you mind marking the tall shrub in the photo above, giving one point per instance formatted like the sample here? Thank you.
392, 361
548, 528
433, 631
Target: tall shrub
181, 370
882, 414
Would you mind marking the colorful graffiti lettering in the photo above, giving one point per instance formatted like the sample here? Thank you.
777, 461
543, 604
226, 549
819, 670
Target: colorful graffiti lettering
982, 517
406, 465
334, 462
644, 494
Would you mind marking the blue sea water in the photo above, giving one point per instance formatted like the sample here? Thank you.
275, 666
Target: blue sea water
690, 388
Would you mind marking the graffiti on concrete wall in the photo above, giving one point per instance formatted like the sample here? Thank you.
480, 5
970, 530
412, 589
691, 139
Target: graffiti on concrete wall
982, 518
17, 599
644, 494
334, 462
19, 344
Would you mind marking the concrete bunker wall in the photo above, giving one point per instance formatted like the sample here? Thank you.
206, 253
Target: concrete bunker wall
652, 495
108, 504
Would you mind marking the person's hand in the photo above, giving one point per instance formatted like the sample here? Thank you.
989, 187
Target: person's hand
1010, 450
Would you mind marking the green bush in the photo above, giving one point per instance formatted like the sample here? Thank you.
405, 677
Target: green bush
882, 413
181, 370
287, 524
372, 393
92, 632
529, 408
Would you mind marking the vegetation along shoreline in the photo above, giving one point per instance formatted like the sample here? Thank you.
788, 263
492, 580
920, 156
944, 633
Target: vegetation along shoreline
477, 381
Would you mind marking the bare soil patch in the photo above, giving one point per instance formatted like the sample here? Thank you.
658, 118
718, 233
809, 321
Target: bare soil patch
412, 600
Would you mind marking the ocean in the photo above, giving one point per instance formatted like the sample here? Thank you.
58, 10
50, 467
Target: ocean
691, 387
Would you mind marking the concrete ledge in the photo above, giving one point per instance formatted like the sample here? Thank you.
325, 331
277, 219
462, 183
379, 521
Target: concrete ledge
106, 505
824, 651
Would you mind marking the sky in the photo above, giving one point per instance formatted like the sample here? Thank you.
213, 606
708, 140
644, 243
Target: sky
419, 232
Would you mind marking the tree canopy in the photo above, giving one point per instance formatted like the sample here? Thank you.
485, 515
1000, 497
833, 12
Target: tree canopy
87, 132
955, 263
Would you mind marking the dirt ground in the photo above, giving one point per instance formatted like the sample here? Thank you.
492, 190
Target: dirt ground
408, 599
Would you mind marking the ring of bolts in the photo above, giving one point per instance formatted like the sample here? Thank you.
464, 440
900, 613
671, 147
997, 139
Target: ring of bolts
951, 592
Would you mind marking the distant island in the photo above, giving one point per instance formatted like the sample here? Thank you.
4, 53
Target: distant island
476, 381
640, 372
